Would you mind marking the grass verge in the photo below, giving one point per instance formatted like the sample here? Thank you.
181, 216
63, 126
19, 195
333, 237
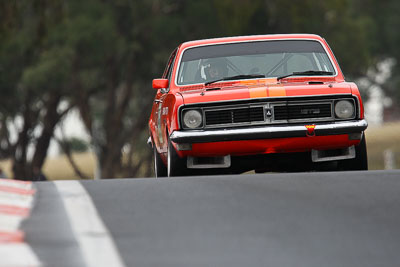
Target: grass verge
380, 139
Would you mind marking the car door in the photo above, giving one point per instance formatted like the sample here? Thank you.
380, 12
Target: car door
161, 108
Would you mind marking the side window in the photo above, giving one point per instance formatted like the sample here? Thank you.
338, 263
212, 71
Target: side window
168, 70
169, 73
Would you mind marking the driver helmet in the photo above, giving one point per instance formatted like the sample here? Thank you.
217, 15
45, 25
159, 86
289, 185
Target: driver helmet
215, 69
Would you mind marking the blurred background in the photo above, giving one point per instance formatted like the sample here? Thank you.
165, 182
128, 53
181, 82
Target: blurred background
75, 76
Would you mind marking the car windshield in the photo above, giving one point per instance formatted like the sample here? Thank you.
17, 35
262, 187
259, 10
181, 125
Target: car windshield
270, 58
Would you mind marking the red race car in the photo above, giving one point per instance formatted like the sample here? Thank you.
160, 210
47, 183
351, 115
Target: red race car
263, 103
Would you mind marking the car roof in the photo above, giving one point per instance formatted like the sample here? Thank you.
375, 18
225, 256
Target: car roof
250, 38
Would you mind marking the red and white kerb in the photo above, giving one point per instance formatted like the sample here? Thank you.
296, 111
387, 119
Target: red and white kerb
16, 200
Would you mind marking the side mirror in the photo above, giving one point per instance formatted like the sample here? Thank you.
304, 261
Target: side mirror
160, 83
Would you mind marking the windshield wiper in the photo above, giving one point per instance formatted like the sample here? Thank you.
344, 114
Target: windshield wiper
237, 77
309, 72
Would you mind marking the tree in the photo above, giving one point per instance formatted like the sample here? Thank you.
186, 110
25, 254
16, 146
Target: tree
32, 99
383, 40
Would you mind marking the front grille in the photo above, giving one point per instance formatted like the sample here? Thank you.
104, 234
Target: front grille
300, 111
234, 115
279, 111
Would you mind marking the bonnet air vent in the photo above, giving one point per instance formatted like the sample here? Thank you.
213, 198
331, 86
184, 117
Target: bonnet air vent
315, 82
213, 89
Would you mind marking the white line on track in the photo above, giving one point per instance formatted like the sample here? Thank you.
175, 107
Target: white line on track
94, 239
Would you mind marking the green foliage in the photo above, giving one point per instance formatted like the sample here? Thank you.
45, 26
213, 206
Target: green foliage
50, 72
236, 18
75, 144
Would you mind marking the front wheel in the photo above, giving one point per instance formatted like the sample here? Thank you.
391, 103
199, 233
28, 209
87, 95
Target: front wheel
176, 166
360, 162
160, 170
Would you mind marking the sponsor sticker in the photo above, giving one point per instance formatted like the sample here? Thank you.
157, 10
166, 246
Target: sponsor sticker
310, 130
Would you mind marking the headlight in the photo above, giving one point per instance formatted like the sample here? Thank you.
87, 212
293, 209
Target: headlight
344, 109
192, 119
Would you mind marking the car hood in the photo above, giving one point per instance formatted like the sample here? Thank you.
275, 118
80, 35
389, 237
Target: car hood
251, 91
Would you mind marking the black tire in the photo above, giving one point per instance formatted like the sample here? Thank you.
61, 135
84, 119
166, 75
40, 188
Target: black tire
160, 170
360, 162
176, 166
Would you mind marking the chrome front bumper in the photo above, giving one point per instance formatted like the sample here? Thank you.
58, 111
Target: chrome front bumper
267, 132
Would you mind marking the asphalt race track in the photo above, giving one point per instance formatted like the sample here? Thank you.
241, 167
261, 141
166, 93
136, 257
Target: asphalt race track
301, 219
